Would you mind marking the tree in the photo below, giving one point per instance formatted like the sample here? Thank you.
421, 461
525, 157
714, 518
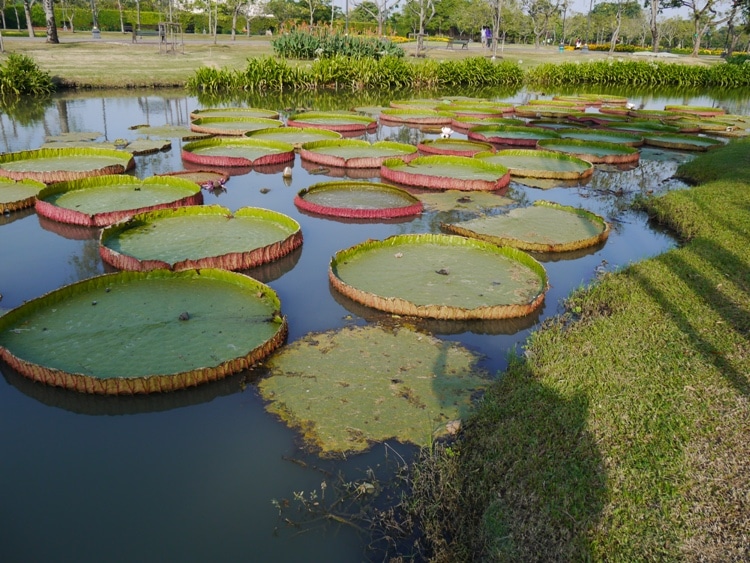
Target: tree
49, 16
379, 10
541, 12
423, 11
704, 15
27, 12
655, 8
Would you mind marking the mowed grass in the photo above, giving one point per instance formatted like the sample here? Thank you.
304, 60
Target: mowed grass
114, 61
621, 433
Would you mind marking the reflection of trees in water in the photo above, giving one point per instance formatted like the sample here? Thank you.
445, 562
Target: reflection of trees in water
87, 264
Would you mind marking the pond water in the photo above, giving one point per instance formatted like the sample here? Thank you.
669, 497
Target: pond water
193, 475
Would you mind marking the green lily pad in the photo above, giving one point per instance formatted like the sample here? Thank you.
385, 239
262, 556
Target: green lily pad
456, 147
234, 112
542, 227
101, 201
540, 164
510, 135
592, 151
18, 194
681, 142
296, 136
421, 116
355, 153
605, 136
143, 332
348, 389
232, 125
200, 237
137, 147
61, 164
464, 123
446, 172
358, 200
73, 136
243, 151
341, 122
440, 277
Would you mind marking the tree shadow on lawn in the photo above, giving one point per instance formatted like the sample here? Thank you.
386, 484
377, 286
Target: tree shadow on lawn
532, 476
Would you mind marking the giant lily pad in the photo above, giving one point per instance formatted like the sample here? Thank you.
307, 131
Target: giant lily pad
477, 109
510, 134
59, 165
416, 116
169, 132
296, 136
234, 112
347, 389
358, 200
143, 332
681, 142
464, 123
456, 147
592, 151
341, 122
605, 136
355, 153
455, 200
543, 227
237, 152
232, 125
540, 164
18, 194
549, 110
440, 277
447, 173
101, 201
200, 237
643, 126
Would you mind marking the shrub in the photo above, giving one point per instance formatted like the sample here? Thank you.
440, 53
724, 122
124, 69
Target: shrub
20, 76
305, 45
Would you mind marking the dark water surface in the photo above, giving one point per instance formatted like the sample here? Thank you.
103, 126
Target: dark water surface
191, 476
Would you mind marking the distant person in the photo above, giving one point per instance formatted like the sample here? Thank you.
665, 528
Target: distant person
578, 44
488, 36
483, 36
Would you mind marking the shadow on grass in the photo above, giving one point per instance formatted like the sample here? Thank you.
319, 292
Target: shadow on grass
528, 480
734, 316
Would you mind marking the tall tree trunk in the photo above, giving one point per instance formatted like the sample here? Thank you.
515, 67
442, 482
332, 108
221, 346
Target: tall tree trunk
616, 32
49, 16
654, 26
27, 13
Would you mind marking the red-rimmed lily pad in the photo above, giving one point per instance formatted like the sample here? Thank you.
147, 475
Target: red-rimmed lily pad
18, 194
657, 114
456, 147
234, 112
540, 164
232, 125
295, 136
593, 151
477, 109
440, 276
605, 136
101, 201
446, 172
358, 200
237, 152
208, 236
355, 153
345, 390
341, 122
542, 227
169, 132
136, 147
643, 126
417, 116
681, 142
510, 135
547, 111
59, 165
464, 123
143, 332
699, 111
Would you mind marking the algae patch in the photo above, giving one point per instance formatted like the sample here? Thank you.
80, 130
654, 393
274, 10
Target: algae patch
346, 389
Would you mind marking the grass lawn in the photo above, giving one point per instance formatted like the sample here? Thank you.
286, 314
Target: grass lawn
114, 61
621, 434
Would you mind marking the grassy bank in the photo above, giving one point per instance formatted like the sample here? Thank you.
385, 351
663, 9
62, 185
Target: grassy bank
622, 432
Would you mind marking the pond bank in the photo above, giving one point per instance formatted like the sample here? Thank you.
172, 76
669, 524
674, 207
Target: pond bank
621, 431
